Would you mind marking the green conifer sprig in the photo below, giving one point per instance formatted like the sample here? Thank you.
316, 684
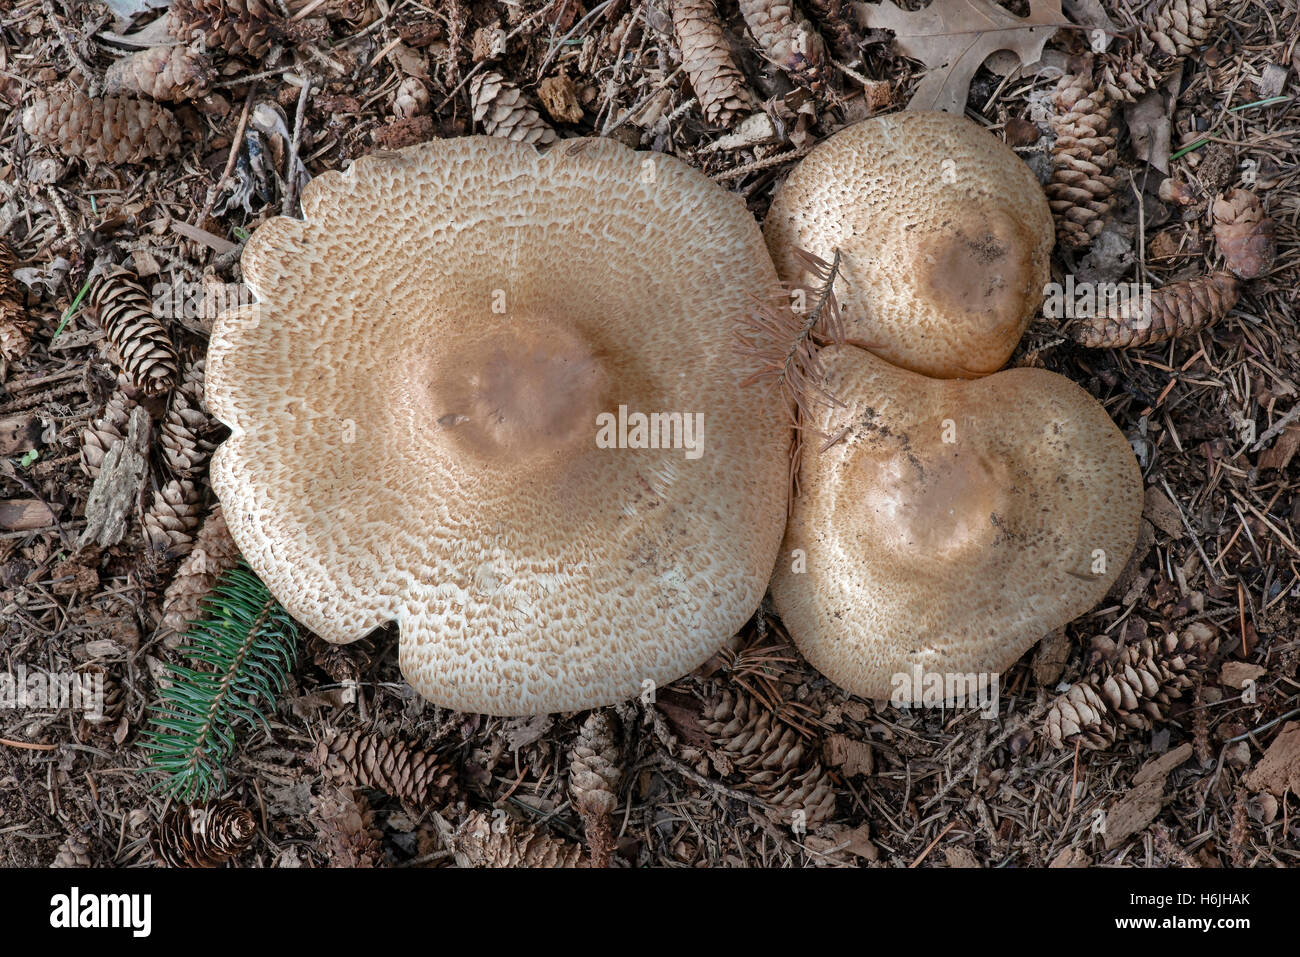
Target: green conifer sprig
242, 651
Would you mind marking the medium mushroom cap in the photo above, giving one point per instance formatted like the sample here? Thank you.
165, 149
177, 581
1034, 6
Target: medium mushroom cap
420, 398
944, 237
954, 524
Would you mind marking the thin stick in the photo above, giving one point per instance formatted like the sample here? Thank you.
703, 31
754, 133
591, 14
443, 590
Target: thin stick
28, 745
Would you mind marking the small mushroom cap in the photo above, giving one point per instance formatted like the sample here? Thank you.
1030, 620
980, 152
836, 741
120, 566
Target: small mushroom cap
414, 400
944, 237
954, 525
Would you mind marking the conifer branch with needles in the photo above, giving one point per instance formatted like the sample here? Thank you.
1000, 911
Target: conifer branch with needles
784, 344
242, 651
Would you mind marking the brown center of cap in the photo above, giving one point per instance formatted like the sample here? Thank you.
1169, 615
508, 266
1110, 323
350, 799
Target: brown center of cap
932, 503
980, 271
532, 388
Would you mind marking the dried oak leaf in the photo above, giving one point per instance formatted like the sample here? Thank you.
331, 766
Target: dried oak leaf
954, 38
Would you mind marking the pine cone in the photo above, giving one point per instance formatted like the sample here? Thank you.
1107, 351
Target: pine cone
346, 828
1180, 26
238, 27
113, 704
770, 755
594, 773
172, 519
1081, 190
185, 431
718, 85
108, 129
1134, 691
414, 776
788, 40
1244, 234
205, 834
502, 109
98, 437
1079, 712
170, 73
15, 326
1125, 80
343, 663
74, 851
213, 554
833, 19
476, 843
1178, 309
144, 349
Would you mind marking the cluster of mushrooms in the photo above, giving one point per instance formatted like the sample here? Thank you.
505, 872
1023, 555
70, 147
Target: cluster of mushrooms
413, 401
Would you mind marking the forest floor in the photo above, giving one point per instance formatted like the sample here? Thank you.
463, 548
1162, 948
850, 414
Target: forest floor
911, 788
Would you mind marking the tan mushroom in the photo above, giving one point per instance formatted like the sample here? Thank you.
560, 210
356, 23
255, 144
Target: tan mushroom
953, 524
944, 236
422, 397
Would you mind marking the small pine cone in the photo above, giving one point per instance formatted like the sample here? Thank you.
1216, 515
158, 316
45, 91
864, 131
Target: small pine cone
414, 776
145, 350
171, 73
110, 427
238, 27
15, 325
173, 518
186, 430
107, 129
751, 739
811, 792
1125, 80
594, 773
706, 58
1081, 190
74, 851
213, 554
1132, 692
343, 663
502, 109
205, 834
833, 18
1244, 234
1178, 309
788, 40
1180, 26
1079, 713
113, 704
346, 828
477, 843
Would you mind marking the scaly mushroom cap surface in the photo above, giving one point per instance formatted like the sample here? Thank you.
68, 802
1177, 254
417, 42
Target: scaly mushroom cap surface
414, 402
954, 525
944, 237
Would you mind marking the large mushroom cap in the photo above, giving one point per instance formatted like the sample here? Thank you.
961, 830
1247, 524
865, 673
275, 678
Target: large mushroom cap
414, 405
944, 237
954, 524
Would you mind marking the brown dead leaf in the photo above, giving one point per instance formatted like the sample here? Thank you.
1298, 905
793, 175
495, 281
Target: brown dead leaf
954, 38
1279, 454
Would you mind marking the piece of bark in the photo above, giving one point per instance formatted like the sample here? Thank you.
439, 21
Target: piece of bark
24, 515
19, 434
1134, 811
116, 492
1278, 771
